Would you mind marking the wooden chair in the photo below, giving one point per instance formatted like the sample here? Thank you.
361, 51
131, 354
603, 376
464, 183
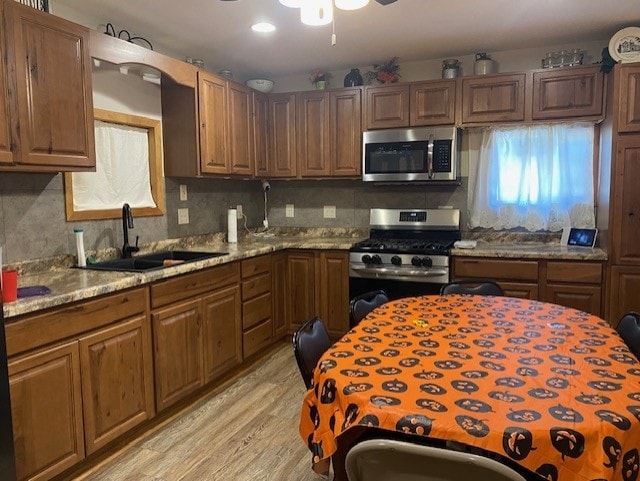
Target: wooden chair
363, 304
479, 287
392, 460
310, 342
629, 330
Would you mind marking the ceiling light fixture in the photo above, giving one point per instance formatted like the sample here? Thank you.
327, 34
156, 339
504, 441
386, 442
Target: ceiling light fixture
317, 12
351, 4
292, 3
263, 27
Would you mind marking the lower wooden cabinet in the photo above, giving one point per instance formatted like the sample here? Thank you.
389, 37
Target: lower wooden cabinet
221, 328
301, 288
279, 294
583, 298
46, 406
257, 304
523, 290
334, 291
625, 292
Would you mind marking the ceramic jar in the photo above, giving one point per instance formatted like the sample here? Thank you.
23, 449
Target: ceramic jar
450, 68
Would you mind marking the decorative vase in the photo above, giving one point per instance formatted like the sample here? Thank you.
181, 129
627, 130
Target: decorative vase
353, 78
321, 84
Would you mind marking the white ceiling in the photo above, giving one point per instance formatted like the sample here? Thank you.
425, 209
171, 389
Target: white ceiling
219, 31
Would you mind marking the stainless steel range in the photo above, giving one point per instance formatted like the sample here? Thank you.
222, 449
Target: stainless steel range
407, 252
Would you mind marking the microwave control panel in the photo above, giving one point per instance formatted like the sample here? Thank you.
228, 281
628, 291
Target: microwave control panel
442, 156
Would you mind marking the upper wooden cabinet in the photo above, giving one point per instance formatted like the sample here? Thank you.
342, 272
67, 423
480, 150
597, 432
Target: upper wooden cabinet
386, 107
212, 112
576, 92
282, 158
628, 98
240, 129
493, 98
345, 134
48, 78
260, 134
312, 122
6, 155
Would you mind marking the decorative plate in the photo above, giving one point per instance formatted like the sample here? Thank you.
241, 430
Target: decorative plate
624, 46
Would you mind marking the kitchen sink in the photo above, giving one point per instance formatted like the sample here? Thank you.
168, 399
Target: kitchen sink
148, 262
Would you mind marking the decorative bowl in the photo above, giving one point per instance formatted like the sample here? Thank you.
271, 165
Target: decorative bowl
260, 84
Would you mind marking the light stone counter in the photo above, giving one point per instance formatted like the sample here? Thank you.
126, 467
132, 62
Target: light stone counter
70, 284
532, 250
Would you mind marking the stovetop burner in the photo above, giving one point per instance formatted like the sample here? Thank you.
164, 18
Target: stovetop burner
405, 246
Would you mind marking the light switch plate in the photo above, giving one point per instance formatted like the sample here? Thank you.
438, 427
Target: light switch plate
288, 210
329, 211
183, 192
183, 216
239, 212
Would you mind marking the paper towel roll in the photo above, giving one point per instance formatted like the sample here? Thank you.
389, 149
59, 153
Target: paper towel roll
232, 226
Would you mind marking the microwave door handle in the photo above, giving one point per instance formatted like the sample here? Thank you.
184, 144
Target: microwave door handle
430, 157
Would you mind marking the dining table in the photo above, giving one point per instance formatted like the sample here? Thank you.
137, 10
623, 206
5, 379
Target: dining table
548, 389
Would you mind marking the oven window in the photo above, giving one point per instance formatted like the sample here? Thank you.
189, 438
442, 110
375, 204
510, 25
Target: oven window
396, 157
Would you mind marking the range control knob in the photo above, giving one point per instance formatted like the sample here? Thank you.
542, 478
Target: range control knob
415, 261
376, 259
396, 261
366, 259
427, 262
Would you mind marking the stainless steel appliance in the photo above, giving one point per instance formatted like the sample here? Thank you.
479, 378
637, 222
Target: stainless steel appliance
406, 155
407, 252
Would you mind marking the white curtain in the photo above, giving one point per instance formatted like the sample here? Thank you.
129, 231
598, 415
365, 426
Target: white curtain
122, 170
539, 177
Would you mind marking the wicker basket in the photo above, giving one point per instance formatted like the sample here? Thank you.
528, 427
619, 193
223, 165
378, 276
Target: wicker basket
37, 4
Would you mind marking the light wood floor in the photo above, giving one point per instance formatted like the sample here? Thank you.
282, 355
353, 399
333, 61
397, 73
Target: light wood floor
247, 432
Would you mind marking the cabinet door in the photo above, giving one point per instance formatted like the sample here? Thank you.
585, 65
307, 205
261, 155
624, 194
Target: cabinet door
386, 106
46, 406
221, 331
523, 290
282, 135
312, 131
628, 98
567, 93
301, 288
626, 202
240, 129
625, 286
6, 156
54, 93
334, 291
582, 297
212, 112
177, 349
345, 126
117, 380
495, 98
279, 294
433, 103
260, 134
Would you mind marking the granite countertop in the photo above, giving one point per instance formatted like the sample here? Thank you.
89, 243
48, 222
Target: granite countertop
532, 250
70, 284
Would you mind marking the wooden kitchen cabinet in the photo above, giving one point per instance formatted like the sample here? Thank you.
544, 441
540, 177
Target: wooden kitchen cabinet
345, 139
279, 294
432, 103
212, 100
625, 289
567, 93
240, 129
48, 78
312, 121
260, 134
386, 106
523, 290
626, 202
6, 155
46, 407
117, 380
282, 135
583, 298
257, 304
628, 98
301, 287
334, 291
493, 98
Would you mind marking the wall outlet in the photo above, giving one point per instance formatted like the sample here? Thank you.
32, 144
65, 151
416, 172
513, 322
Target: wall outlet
183, 192
288, 210
329, 211
183, 216
239, 212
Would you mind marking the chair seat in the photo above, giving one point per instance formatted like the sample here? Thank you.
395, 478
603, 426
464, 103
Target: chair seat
629, 330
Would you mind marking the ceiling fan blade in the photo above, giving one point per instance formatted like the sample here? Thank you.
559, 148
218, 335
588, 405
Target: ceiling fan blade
385, 2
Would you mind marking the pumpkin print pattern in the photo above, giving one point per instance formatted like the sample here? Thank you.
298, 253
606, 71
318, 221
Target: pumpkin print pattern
536, 383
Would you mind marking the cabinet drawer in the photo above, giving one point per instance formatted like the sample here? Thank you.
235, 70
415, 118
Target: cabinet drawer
256, 338
256, 265
574, 272
496, 269
190, 285
35, 331
256, 285
256, 310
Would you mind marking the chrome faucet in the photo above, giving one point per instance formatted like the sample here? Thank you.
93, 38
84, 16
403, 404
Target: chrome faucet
127, 223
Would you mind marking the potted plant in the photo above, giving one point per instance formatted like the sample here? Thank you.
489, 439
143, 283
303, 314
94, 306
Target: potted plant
385, 73
320, 79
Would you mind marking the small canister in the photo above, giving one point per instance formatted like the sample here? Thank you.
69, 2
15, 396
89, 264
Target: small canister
483, 65
450, 68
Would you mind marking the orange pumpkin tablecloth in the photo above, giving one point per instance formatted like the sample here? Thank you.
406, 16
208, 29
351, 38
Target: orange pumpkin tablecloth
552, 388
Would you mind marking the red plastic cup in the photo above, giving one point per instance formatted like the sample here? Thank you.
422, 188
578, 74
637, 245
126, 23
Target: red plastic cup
9, 286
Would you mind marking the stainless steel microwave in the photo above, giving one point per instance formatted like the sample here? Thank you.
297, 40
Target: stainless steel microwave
415, 154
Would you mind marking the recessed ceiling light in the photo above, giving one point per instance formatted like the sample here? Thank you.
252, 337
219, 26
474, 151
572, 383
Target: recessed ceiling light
263, 27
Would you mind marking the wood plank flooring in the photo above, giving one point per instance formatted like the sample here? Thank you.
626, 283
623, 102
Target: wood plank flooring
247, 432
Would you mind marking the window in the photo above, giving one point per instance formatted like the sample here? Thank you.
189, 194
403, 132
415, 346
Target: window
539, 177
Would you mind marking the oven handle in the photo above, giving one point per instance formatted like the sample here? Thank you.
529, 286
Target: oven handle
430, 156
401, 272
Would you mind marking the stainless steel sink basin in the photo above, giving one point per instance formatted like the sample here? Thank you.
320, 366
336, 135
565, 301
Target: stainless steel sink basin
147, 262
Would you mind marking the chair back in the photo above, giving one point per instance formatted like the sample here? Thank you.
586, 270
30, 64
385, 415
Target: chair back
310, 342
363, 304
391, 460
629, 330
479, 287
